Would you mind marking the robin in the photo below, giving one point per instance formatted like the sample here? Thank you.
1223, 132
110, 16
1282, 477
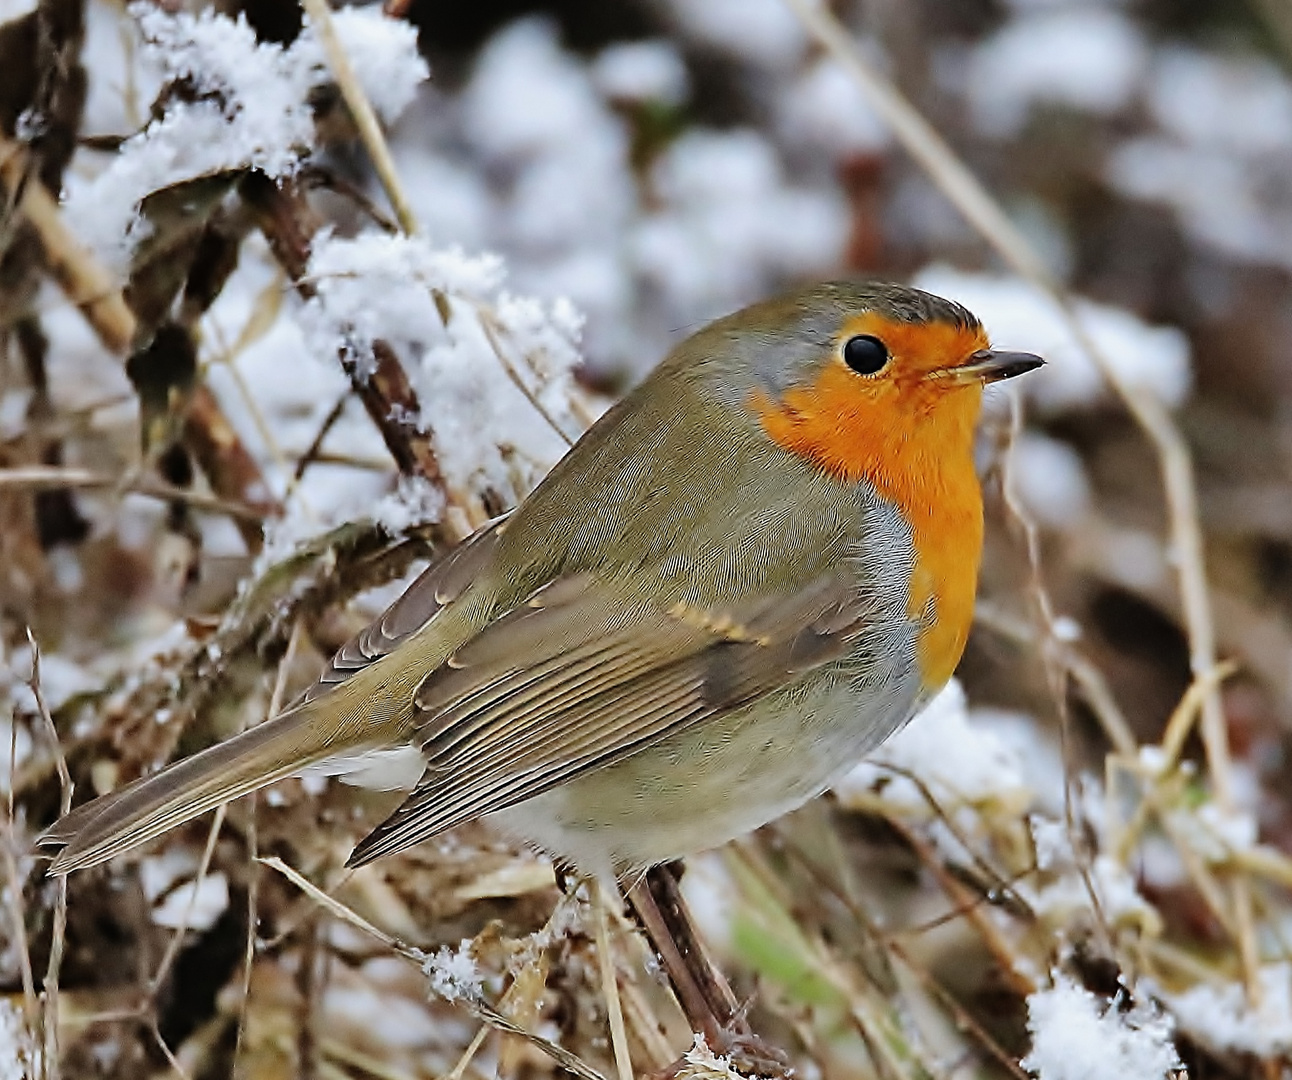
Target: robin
751, 571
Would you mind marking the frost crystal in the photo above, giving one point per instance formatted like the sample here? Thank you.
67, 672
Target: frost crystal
1075, 1036
454, 974
701, 1063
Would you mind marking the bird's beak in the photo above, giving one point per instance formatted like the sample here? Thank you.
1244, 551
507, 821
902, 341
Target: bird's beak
991, 365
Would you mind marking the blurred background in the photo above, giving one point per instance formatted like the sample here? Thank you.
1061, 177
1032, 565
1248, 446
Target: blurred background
207, 483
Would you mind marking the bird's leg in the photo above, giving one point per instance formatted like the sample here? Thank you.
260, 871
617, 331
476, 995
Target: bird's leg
609, 977
710, 1006
706, 999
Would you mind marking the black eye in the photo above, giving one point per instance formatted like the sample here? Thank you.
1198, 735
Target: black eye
865, 354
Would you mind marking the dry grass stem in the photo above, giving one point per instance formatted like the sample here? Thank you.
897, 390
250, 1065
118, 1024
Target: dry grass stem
86, 283
320, 16
610, 980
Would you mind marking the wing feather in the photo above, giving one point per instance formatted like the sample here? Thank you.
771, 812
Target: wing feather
584, 675
438, 585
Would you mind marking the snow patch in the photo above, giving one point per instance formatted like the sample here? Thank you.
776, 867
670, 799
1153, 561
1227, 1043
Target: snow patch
1077, 1036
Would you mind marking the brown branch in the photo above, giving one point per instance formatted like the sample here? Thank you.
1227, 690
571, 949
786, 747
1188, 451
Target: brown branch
228, 464
290, 224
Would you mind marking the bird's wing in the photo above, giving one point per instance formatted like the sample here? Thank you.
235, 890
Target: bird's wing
585, 674
439, 584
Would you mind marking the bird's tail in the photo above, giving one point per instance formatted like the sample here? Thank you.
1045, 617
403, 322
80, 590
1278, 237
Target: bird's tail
124, 819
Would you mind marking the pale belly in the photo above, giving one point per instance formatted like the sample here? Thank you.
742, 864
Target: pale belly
727, 776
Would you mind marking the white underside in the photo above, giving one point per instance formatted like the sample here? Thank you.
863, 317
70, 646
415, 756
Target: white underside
392, 768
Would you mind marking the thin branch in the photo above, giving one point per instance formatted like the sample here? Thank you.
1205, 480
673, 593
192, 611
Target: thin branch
177, 938
54, 477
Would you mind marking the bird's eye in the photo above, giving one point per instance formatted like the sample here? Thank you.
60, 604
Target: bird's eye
865, 354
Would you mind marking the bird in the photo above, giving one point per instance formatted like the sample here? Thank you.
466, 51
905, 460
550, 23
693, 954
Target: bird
748, 573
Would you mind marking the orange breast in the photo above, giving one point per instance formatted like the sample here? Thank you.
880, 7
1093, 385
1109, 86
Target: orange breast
912, 440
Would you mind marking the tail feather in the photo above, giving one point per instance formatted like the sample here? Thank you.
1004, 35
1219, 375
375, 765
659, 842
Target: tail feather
123, 820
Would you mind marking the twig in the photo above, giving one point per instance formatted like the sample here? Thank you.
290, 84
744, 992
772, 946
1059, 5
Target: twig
960, 1015
59, 933
1055, 670
892, 942
289, 224
705, 997
320, 16
53, 477
476, 1006
89, 286
177, 938
252, 835
488, 324
980, 920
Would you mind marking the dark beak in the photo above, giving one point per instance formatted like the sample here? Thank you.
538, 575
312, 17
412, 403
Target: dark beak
992, 365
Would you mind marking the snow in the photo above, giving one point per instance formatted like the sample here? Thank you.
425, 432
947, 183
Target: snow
527, 95
1150, 359
1049, 480
1239, 104
208, 899
484, 430
15, 9
1085, 58
1062, 901
454, 973
765, 33
1077, 1036
701, 1063
1214, 833
1214, 193
1051, 841
382, 52
415, 501
169, 884
380, 286
958, 761
825, 112
641, 71
386, 1019
20, 1054
1220, 1016
13, 411
1219, 153
252, 110
730, 224
15, 748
